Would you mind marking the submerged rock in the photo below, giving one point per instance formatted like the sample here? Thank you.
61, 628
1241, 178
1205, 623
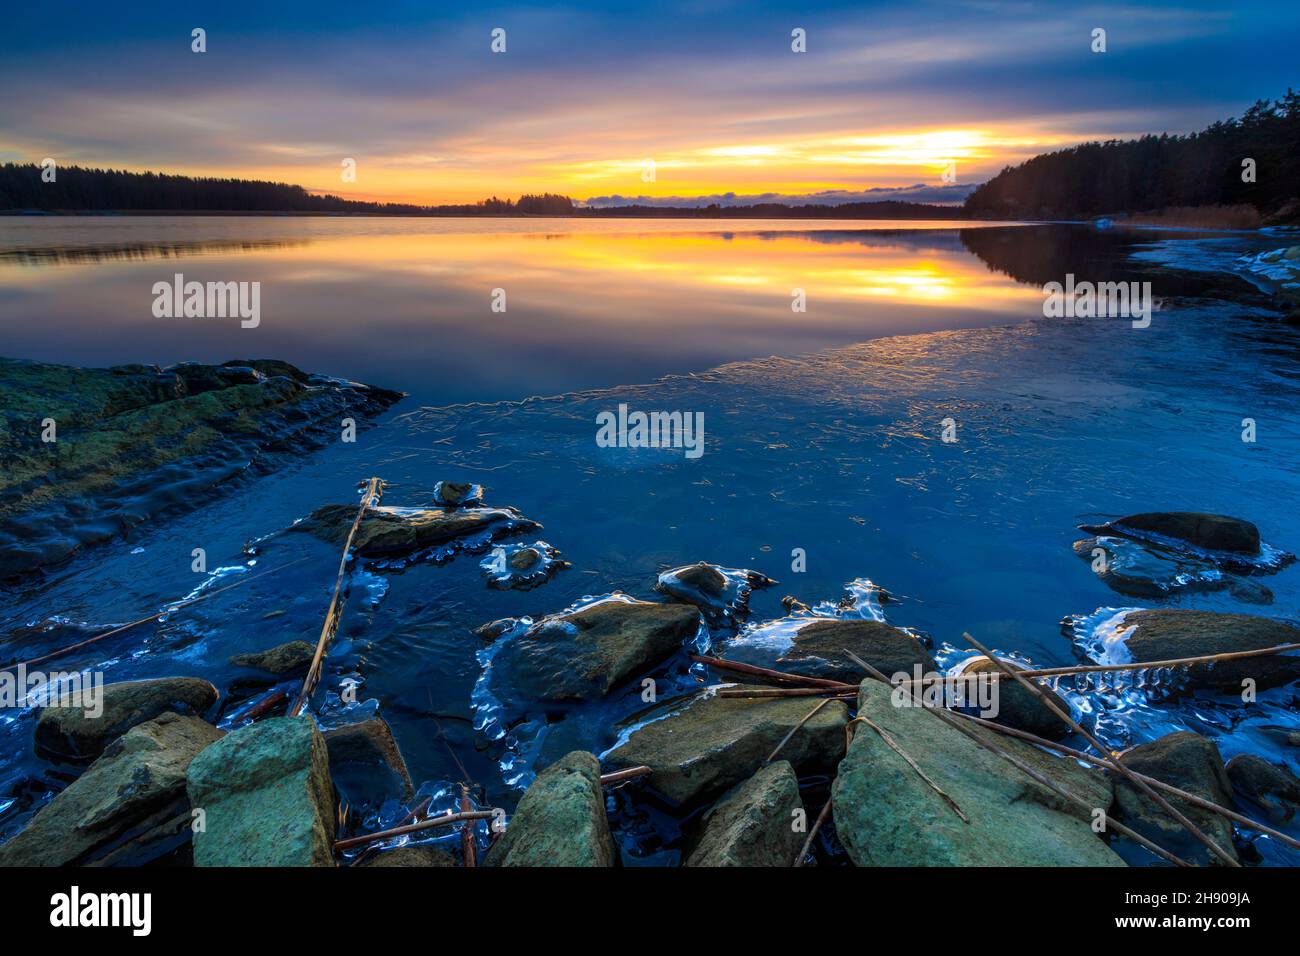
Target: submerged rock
280, 660
69, 733
1273, 787
521, 566
266, 795
419, 855
708, 744
887, 815
387, 532
1210, 531
1190, 762
721, 593
819, 650
1144, 569
457, 494
588, 652
1017, 706
128, 808
137, 441
1169, 634
560, 820
366, 764
753, 825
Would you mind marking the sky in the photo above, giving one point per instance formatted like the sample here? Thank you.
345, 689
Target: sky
659, 102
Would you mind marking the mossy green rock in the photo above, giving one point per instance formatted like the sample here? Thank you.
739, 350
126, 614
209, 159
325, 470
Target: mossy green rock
1189, 762
585, 655
266, 797
886, 815
279, 660
136, 441
1171, 633
409, 856
560, 821
129, 807
385, 531
68, 733
754, 824
708, 744
819, 650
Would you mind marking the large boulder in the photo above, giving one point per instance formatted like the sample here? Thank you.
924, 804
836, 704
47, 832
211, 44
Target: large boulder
266, 797
819, 650
385, 532
1172, 633
128, 808
887, 815
1017, 706
1273, 787
281, 660
560, 821
1210, 531
1189, 762
753, 825
707, 744
588, 653
366, 764
70, 733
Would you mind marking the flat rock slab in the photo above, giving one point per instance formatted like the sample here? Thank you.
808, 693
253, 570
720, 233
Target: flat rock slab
366, 764
754, 824
1210, 531
708, 744
68, 733
389, 532
1169, 634
1189, 762
819, 650
293, 657
887, 815
266, 797
586, 654
560, 821
128, 807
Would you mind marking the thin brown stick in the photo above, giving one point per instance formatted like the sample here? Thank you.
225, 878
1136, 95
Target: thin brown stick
1176, 662
833, 692
795, 729
444, 820
374, 490
817, 825
467, 830
618, 776
949, 718
264, 706
892, 744
1096, 761
170, 609
755, 671
1114, 763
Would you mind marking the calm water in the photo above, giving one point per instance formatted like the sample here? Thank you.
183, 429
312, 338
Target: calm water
827, 445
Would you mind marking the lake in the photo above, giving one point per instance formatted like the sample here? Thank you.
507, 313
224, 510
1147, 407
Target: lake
823, 434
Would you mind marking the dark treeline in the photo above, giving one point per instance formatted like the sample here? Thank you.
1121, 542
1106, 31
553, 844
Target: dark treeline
770, 210
1158, 172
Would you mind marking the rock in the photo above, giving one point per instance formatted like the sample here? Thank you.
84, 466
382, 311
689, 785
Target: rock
887, 815
129, 807
266, 795
137, 441
703, 577
721, 593
524, 558
396, 531
366, 764
588, 653
280, 660
708, 744
1168, 634
560, 820
1018, 707
1213, 532
67, 733
1273, 787
819, 650
419, 855
457, 494
1192, 763
753, 825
